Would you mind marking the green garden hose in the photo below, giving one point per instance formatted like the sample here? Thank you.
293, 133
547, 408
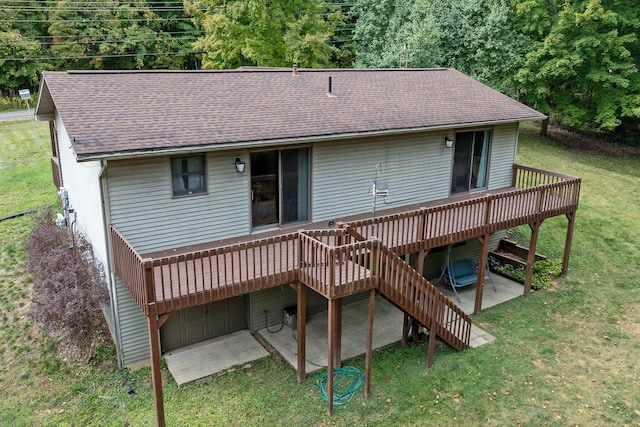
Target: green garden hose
346, 382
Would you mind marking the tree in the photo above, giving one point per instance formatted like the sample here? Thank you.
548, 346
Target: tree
105, 36
585, 69
385, 35
474, 36
19, 27
174, 36
264, 32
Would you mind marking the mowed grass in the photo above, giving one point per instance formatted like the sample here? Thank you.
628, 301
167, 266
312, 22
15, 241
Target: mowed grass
567, 356
25, 169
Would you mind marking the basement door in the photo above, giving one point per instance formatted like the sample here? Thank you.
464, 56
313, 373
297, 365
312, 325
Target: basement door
204, 322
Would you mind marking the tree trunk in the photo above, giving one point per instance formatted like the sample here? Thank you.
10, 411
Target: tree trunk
543, 127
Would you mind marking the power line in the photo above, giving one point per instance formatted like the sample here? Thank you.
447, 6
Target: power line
93, 3
121, 55
32, 21
104, 9
131, 40
101, 35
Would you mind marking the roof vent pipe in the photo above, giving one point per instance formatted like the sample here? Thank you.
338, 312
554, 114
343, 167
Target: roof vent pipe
329, 92
295, 70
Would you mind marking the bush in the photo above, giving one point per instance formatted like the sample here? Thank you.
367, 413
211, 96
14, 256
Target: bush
16, 103
68, 285
543, 273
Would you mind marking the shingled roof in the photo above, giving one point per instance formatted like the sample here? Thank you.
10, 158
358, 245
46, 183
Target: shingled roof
130, 113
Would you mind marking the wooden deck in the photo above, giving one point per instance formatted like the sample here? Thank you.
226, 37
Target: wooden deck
332, 263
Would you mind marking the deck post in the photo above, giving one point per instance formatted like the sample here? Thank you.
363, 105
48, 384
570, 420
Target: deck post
367, 358
302, 332
338, 339
531, 256
331, 335
567, 244
405, 329
156, 372
415, 325
482, 267
434, 300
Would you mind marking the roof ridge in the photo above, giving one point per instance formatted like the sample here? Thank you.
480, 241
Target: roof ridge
253, 70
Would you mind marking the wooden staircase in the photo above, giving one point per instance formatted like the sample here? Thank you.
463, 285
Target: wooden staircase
408, 290
404, 287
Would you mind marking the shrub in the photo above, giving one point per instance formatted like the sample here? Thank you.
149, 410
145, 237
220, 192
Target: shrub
16, 103
543, 273
68, 285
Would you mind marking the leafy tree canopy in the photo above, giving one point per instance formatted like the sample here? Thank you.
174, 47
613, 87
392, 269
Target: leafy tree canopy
469, 35
585, 69
16, 43
264, 32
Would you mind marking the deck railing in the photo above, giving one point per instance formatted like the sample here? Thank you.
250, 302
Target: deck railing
55, 171
407, 289
538, 196
130, 267
526, 177
209, 275
336, 271
332, 261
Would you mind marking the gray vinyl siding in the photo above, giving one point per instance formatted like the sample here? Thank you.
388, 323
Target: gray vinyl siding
503, 155
146, 213
417, 168
469, 249
275, 300
143, 208
134, 329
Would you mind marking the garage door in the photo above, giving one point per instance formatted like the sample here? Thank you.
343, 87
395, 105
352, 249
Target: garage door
203, 322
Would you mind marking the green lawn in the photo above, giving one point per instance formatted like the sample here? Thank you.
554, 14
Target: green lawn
566, 356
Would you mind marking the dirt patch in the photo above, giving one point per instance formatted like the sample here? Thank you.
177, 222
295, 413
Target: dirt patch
589, 143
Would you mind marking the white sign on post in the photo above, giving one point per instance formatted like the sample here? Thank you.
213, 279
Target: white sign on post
25, 94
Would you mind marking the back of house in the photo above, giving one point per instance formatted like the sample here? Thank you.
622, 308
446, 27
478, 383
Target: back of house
181, 161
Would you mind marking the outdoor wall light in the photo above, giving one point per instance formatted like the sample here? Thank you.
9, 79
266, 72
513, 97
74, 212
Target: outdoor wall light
239, 165
448, 142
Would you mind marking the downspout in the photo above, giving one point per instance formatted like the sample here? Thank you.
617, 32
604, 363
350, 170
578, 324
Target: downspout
115, 324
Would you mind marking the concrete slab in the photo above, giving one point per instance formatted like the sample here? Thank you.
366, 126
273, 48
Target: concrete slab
200, 360
209, 357
387, 324
387, 329
506, 290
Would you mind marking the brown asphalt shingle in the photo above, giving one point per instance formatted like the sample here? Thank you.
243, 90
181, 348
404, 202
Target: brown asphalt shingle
112, 113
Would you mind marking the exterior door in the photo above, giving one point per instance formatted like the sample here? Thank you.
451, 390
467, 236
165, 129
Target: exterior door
203, 322
279, 186
470, 161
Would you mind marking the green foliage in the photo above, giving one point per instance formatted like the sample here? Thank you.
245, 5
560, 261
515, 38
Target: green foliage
16, 103
102, 34
471, 36
543, 273
576, 60
126, 33
264, 33
18, 25
583, 70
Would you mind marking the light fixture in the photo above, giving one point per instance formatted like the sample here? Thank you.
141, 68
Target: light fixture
448, 142
239, 165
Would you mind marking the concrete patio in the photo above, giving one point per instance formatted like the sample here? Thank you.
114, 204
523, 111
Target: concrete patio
212, 356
